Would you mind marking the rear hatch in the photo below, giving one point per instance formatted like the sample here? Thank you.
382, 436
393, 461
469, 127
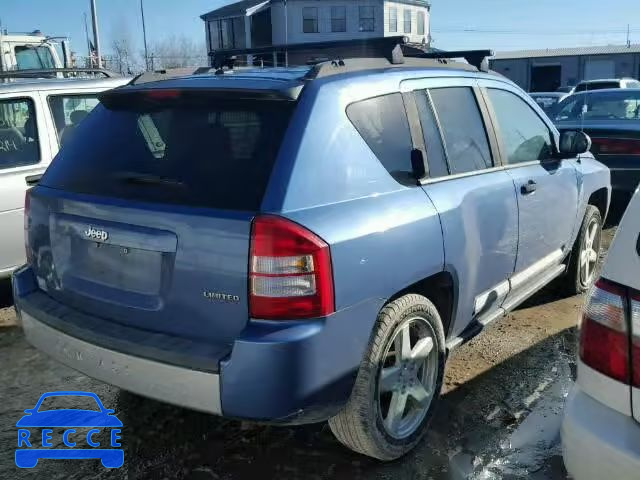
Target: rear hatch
145, 218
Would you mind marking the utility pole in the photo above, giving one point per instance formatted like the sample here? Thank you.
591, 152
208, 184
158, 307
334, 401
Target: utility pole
286, 35
96, 35
628, 36
144, 36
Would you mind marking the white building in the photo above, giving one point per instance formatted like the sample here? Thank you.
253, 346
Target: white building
255, 23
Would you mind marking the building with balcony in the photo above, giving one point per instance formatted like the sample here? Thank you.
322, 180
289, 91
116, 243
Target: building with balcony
255, 23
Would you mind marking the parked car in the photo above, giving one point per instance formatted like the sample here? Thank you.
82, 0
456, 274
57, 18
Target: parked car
566, 89
600, 431
35, 116
606, 84
612, 120
301, 244
548, 101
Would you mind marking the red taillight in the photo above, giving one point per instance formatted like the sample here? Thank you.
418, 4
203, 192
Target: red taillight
290, 271
635, 339
616, 146
604, 337
162, 94
27, 213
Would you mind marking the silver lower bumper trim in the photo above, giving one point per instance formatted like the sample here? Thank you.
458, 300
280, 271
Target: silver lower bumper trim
180, 386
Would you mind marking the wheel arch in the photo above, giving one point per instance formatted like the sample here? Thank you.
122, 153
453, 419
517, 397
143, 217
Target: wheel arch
441, 289
600, 200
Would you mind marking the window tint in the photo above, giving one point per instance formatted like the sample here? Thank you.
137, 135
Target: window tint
33, 57
407, 21
620, 104
310, 20
68, 111
196, 151
393, 19
432, 139
18, 134
524, 135
338, 19
382, 123
462, 128
366, 19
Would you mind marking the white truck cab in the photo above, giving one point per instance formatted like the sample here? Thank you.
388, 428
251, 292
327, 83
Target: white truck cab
26, 51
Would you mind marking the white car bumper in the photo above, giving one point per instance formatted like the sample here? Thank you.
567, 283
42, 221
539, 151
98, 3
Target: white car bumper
599, 443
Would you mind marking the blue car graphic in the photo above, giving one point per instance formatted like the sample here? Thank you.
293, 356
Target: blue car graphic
28, 456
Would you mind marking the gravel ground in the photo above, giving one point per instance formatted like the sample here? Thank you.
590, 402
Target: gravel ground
498, 419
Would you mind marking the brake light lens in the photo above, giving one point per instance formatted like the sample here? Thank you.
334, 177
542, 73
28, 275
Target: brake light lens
604, 336
635, 339
27, 221
290, 271
616, 146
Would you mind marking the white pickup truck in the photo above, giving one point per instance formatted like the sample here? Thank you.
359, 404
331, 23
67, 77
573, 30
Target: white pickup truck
27, 51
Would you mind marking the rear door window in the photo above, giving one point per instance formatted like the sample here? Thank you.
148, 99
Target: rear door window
206, 152
436, 157
68, 111
463, 129
382, 123
18, 133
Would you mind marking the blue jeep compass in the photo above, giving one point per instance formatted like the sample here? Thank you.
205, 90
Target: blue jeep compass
293, 245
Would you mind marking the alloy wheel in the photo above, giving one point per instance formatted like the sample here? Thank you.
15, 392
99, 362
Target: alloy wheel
590, 252
407, 378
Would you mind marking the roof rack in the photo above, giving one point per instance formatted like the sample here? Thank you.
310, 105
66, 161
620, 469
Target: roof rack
53, 73
393, 49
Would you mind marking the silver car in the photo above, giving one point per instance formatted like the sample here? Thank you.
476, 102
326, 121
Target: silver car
36, 117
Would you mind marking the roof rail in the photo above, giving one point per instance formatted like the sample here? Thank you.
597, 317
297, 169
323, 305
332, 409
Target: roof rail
53, 72
394, 49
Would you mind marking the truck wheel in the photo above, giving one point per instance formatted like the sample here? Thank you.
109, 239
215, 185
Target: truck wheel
398, 383
584, 261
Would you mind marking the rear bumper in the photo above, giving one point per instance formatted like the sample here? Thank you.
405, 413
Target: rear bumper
284, 372
189, 388
598, 442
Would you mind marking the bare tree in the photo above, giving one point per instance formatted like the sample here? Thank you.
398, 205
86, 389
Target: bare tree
123, 58
178, 52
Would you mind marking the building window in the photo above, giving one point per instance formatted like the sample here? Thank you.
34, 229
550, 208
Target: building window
227, 33
393, 19
367, 21
407, 21
420, 23
310, 20
338, 19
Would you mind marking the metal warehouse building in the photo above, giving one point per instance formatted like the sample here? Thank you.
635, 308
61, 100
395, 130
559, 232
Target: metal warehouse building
546, 70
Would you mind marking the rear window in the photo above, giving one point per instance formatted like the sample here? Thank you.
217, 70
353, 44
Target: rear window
596, 86
210, 152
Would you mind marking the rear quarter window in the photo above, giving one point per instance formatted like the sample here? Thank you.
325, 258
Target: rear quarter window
206, 152
382, 123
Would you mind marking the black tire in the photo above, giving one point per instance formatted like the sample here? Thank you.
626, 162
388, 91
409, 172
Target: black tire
359, 426
574, 280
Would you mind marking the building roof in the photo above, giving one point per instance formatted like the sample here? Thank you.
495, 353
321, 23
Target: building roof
568, 52
233, 9
242, 7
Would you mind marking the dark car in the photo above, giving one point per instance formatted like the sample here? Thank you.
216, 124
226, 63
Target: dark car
612, 119
548, 100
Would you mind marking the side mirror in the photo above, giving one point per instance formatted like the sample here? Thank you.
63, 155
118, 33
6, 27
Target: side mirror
573, 143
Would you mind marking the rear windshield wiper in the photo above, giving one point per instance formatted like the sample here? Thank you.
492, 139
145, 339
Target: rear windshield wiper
147, 179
